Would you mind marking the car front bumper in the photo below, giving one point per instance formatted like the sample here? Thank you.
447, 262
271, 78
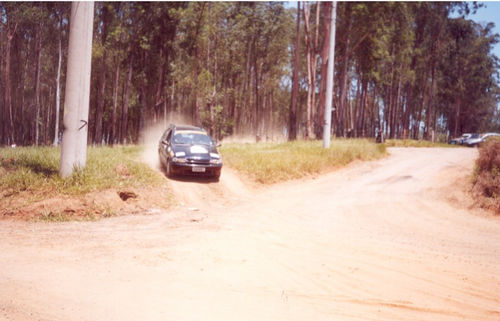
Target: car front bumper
195, 169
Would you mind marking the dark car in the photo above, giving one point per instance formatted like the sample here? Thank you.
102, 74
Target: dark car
189, 150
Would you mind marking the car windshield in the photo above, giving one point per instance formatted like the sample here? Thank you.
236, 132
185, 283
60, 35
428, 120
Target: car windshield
192, 138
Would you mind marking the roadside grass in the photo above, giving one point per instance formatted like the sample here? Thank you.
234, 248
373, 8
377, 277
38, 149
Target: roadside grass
270, 163
486, 176
414, 143
31, 174
31, 188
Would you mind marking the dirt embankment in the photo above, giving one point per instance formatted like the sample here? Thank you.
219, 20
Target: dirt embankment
391, 239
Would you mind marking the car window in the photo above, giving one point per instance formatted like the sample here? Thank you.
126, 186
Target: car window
191, 138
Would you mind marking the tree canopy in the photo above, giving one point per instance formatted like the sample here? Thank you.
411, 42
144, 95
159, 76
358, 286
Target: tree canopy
405, 69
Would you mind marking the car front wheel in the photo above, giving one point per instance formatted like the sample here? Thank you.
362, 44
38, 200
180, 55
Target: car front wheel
168, 169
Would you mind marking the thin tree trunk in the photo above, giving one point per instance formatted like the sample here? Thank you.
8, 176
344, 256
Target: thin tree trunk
292, 125
430, 106
102, 79
309, 67
124, 120
329, 86
344, 87
458, 106
364, 91
256, 92
7, 122
324, 67
37, 83
160, 85
416, 134
114, 130
58, 86
100, 101
314, 70
25, 133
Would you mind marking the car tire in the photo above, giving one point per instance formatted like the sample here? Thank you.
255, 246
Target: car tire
168, 169
162, 166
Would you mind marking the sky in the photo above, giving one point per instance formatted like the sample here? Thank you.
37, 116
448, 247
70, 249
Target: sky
489, 13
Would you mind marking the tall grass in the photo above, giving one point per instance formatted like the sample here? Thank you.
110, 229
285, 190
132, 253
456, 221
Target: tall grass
276, 162
36, 169
414, 143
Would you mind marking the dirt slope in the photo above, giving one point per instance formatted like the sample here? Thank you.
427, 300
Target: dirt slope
385, 240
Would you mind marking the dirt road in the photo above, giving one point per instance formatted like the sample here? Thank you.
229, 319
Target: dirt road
385, 240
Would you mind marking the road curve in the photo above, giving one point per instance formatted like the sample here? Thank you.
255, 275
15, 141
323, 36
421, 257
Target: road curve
392, 239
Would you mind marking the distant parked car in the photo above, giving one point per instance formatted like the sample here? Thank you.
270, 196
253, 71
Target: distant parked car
480, 139
460, 140
189, 150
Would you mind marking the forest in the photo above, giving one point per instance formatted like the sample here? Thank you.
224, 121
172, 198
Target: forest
410, 70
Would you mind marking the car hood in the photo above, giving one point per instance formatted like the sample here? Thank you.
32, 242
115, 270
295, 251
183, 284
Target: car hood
198, 151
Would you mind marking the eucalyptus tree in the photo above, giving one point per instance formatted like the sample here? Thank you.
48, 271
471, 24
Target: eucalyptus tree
292, 124
468, 90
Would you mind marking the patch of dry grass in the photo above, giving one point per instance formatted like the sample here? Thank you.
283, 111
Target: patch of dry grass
30, 184
269, 163
414, 143
487, 176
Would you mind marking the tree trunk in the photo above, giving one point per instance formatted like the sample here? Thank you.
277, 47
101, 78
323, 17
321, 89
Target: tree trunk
37, 83
309, 67
113, 134
364, 94
324, 67
292, 125
124, 120
430, 106
160, 85
458, 105
416, 134
344, 86
100, 102
7, 121
58, 86
330, 77
102, 79
256, 92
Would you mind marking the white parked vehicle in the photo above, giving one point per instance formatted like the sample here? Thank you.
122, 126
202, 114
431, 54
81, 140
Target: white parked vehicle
476, 141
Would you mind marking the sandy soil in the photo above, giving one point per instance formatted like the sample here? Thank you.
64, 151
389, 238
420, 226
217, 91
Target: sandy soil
392, 239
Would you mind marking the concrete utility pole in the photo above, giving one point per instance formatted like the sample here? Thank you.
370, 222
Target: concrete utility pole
329, 80
76, 100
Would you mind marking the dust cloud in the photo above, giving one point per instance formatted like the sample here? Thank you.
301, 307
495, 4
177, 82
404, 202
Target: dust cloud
150, 136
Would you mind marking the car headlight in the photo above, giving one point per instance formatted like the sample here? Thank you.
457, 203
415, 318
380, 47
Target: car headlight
178, 160
215, 158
